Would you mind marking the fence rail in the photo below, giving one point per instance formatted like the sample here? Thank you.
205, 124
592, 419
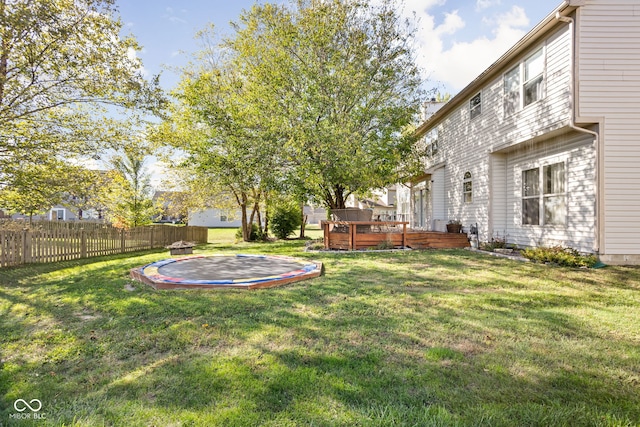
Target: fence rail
53, 244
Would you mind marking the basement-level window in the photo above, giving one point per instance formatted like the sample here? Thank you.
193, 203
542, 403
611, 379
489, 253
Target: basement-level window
467, 188
543, 191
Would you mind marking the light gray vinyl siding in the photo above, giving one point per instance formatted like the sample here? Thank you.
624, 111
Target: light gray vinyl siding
609, 88
498, 206
439, 194
577, 153
465, 145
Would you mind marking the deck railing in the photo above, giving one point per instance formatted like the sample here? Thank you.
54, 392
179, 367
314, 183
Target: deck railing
353, 235
357, 235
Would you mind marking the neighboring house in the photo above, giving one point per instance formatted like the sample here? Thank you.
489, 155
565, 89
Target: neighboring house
225, 218
169, 203
216, 218
315, 215
62, 213
543, 147
383, 204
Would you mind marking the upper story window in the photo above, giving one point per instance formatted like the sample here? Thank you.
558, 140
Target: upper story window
467, 188
475, 106
524, 83
533, 78
543, 191
431, 141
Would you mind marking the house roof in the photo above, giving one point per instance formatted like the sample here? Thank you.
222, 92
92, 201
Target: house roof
532, 37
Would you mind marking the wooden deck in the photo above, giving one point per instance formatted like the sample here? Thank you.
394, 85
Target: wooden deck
358, 235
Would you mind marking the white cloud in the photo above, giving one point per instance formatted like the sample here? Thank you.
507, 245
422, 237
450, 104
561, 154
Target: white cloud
421, 6
452, 23
485, 4
460, 62
171, 15
158, 171
516, 17
132, 56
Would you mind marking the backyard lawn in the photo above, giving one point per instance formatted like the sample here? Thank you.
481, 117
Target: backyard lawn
411, 338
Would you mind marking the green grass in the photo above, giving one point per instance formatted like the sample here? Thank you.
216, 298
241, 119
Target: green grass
227, 235
419, 338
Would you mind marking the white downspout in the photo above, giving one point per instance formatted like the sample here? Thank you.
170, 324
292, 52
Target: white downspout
572, 123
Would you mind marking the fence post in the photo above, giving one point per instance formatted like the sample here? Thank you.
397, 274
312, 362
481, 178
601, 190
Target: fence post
122, 241
26, 246
83, 243
151, 236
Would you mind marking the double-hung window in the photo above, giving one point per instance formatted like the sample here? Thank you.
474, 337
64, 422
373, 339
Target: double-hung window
543, 192
524, 83
475, 106
533, 78
431, 141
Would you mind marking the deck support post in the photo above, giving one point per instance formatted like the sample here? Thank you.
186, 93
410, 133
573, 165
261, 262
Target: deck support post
404, 235
352, 236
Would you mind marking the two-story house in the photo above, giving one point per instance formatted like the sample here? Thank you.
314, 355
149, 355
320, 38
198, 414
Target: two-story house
543, 147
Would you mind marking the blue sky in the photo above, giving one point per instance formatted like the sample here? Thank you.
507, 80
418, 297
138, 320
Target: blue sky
458, 39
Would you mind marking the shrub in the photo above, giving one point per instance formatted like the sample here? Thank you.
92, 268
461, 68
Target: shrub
560, 255
315, 245
495, 243
285, 219
385, 244
255, 233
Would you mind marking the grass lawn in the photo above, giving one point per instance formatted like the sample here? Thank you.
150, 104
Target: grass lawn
416, 338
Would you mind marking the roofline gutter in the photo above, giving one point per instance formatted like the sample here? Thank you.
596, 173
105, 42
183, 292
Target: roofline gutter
572, 124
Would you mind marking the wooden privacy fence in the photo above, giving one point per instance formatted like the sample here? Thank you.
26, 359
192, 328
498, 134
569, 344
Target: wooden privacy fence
66, 243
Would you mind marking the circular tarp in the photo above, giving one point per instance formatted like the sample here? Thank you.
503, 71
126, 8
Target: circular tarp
240, 271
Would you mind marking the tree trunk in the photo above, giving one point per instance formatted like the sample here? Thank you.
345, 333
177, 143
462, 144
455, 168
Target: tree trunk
265, 235
303, 222
246, 231
255, 209
335, 198
4, 55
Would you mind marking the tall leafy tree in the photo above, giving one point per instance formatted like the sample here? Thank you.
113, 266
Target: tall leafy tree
128, 195
336, 80
37, 187
228, 151
64, 70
